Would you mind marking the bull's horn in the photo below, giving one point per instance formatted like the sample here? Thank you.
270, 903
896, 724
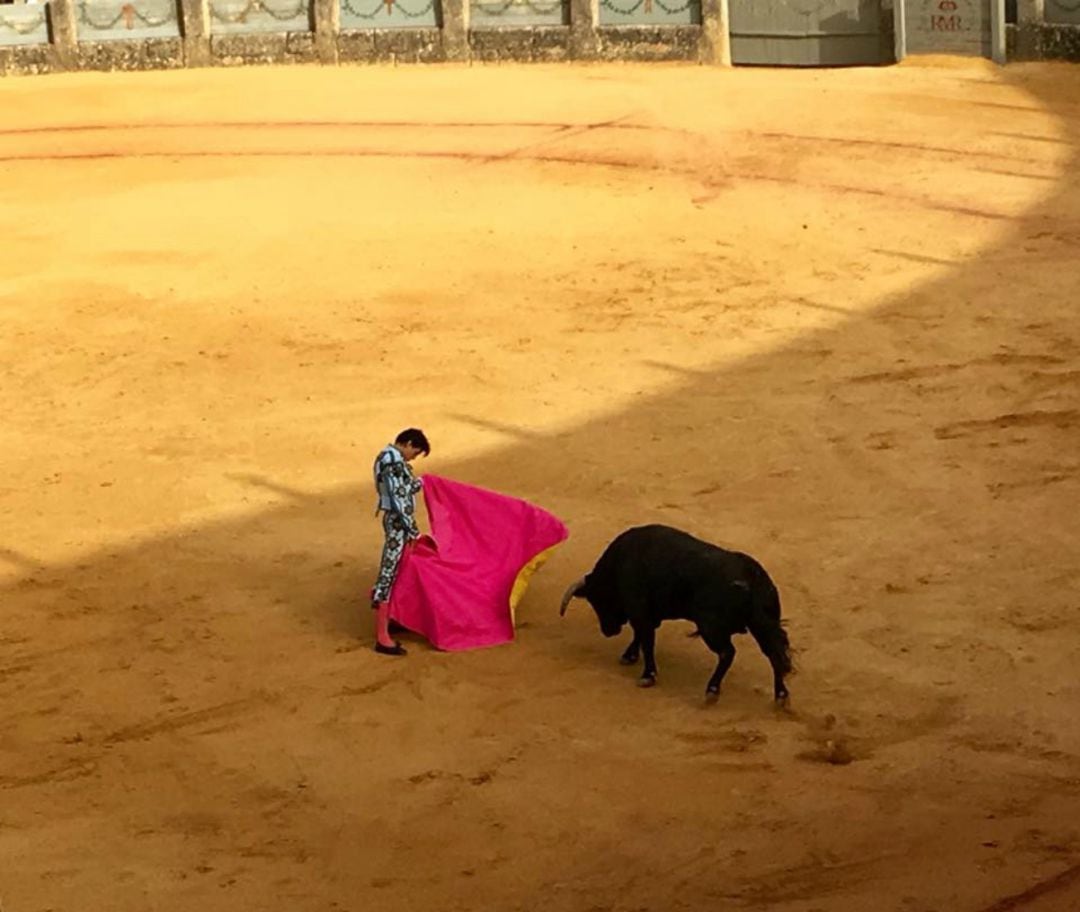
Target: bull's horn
571, 591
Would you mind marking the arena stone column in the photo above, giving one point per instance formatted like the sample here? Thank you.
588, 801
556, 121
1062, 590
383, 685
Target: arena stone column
195, 21
584, 18
62, 34
1031, 10
1030, 18
997, 32
327, 27
715, 32
455, 29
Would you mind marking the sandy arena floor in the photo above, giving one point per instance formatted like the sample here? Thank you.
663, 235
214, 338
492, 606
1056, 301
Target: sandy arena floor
826, 317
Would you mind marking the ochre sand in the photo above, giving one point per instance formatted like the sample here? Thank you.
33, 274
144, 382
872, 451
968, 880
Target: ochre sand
829, 318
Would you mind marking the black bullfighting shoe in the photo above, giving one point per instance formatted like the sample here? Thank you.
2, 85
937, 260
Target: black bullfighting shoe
396, 650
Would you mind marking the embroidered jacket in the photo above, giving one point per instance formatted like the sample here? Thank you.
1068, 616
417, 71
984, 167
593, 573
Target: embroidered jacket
397, 487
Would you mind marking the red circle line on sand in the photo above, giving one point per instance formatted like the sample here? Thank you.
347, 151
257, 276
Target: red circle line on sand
481, 158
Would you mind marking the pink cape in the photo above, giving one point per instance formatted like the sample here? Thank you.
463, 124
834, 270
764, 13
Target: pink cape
459, 586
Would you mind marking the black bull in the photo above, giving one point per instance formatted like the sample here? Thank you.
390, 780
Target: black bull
652, 574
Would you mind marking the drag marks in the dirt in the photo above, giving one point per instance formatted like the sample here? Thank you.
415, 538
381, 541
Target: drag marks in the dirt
1040, 618
204, 721
932, 371
949, 152
553, 126
366, 690
831, 738
514, 432
1034, 378
827, 308
221, 838
65, 772
448, 786
567, 131
1062, 881
892, 195
882, 440
36, 583
18, 662
1036, 746
713, 172
261, 482
914, 257
1060, 419
839, 738
480, 778
195, 718
819, 876
556, 129
1020, 175
734, 749
20, 559
978, 657
1047, 380
1045, 476
1062, 842
1058, 236
15, 668
1032, 137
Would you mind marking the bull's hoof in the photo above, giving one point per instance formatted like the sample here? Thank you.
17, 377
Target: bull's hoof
647, 681
783, 700
628, 659
712, 694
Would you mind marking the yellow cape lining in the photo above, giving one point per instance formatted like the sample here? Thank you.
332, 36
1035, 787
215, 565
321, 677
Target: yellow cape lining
521, 583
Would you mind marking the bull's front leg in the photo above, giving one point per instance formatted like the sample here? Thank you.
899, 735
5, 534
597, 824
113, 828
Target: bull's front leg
647, 638
633, 652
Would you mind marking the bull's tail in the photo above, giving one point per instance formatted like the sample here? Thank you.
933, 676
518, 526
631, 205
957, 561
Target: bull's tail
767, 628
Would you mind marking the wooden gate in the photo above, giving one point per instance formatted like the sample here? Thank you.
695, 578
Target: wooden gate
807, 32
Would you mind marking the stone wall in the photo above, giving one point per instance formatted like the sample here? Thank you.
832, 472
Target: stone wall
27, 59
1044, 41
1044, 31
203, 41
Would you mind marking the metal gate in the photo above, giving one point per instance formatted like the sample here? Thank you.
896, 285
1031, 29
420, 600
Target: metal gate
808, 32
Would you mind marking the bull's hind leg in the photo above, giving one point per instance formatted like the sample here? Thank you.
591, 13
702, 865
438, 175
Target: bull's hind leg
633, 652
770, 635
780, 666
725, 650
780, 691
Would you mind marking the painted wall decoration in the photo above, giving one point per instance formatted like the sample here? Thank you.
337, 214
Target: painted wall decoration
23, 24
238, 17
1063, 12
502, 13
118, 20
385, 14
948, 27
650, 12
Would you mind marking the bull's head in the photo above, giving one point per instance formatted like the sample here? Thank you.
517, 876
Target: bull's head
611, 619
